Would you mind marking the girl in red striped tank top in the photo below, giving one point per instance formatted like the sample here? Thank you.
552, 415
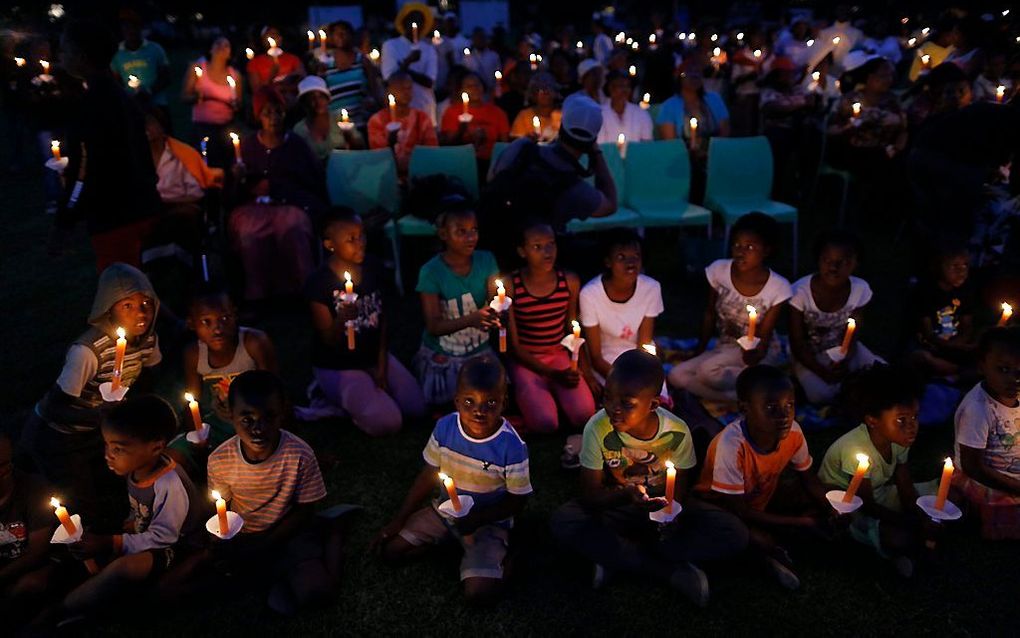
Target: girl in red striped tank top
545, 302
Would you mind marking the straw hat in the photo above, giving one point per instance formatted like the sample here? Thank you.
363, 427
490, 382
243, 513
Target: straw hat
408, 9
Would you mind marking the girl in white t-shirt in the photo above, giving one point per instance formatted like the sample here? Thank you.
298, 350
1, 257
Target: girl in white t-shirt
618, 308
735, 284
821, 305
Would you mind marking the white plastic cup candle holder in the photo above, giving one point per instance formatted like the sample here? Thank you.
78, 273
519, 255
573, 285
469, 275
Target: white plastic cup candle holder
835, 498
349, 126
465, 117
495, 305
393, 126
748, 344
57, 165
835, 354
109, 394
572, 343
663, 517
198, 437
60, 535
466, 503
949, 511
234, 525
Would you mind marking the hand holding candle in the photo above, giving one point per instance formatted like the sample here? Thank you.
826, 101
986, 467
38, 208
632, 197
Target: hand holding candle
944, 482
71, 530
349, 298
451, 491
851, 326
863, 464
118, 359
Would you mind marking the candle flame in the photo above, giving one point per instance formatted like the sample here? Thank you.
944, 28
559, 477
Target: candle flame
632, 70
650, 349
836, 40
343, 114
414, 25
716, 51
499, 283
189, 397
816, 76
435, 34
198, 71
374, 54
810, 42
19, 61
851, 323
464, 97
580, 45
669, 465
651, 38
911, 42
499, 75
925, 30
121, 333
45, 66
863, 459
575, 325
948, 465
647, 97
230, 82
234, 137
311, 36
740, 35
54, 503
249, 53
536, 122
694, 122
55, 145
347, 276
715, 36
216, 495
925, 59
443, 477
532, 58
392, 100
1007, 309
621, 139
752, 311
272, 43
322, 34
757, 53
467, 51
1000, 90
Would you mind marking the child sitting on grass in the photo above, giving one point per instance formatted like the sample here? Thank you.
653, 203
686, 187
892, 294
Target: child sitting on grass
943, 308
545, 302
488, 461
455, 288
65, 441
734, 284
821, 305
367, 383
744, 463
889, 521
166, 513
222, 351
271, 479
987, 430
624, 454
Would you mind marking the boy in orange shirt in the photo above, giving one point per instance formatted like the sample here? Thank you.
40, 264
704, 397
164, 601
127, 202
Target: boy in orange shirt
744, 464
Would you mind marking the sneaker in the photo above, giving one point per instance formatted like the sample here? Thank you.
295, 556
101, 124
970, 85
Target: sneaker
692, 583
599, 577
785, 576
571, 457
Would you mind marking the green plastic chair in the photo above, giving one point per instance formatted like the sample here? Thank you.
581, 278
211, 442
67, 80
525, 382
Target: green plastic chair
653, 112
740, 182
455, 161
624, 217
363, 180
658, 177
497, 150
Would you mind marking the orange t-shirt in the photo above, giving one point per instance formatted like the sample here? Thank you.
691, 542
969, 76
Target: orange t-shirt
734, 466
488, 117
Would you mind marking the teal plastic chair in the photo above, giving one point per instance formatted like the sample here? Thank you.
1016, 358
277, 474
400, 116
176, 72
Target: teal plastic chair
455, 161
497, 150
624, 217
658, 178
653, 112
740, 182
363, 180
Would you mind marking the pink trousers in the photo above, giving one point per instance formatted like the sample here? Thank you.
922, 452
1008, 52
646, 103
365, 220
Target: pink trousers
375, 411
275, 244
539, 397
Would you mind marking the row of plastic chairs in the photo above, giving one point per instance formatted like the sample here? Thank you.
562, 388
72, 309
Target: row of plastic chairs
653, 182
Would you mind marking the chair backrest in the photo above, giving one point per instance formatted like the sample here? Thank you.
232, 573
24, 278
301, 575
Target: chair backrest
738, 168
497, 150
611, 152
363, 180
657, 172
455, 161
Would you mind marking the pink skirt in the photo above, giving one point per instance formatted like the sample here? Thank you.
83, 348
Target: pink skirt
275, 243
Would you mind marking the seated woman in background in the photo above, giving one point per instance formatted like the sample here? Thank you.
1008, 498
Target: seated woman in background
320, 128
486, 126
542, 98
620, 116
281, 189
693, 100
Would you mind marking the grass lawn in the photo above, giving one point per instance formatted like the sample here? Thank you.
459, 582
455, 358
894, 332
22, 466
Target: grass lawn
846, 589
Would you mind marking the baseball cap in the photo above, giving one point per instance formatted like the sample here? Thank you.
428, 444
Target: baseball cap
312, 83
587, 65
581, 118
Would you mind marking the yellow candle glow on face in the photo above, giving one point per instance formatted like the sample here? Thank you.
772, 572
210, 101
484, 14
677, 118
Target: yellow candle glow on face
451, 491
851, 325
118, 358
45, 66
863, 463
221, 513
944, 482
249, 53
500, 292
465, 98
235, 139
650, 349
55, 149
752, 321
196, 416
63, 517
670, 486
1007, 314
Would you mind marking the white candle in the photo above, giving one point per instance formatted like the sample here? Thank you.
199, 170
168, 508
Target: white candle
537, 125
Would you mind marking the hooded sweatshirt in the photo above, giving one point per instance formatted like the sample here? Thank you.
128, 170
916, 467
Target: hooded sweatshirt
72, 405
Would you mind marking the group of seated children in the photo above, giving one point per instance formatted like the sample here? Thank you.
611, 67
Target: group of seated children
636, 457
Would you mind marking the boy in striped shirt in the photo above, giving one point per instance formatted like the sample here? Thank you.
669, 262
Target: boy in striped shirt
489, 462
271, 478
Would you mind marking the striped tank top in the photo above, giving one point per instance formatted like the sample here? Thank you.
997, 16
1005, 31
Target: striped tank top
541, 321
347, 90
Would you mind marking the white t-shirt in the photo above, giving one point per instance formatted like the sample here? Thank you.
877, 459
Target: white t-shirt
602, 48
985, 424
636, 124
619, 322
394, 51
731, 308
826, 329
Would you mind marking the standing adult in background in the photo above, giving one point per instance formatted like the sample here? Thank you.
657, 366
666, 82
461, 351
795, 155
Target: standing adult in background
601, 44
275, 67
482, 59
214, 102
413, 53
110, 180
842, 28
353, 82
141, 58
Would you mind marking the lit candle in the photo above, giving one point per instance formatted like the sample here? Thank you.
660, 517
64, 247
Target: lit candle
911, 42
632, 70
19, 61
810, 42
580, 45
221, 513
118, 358
374, 55
534, 61
233, 87
345, 116
856, 107
467, 52
198, 73
576, 327
740, 36
249, 53
451, 491
646, 101
348, 283
851, 325
393, 107
947, 478
757, 54
465, 98
925, 61
715, 36
863, 463
925, 31
499, 76
272, 43
670, 485
621, 144
836, 40
71, 529
55, 149
414, 32
694, 131
436, 39
1007, 313
575, 352
235, 139
133, 82
311, 40
1000, 93
537, 125
500, 293
196, 416
45, 66
752, 321
322, 41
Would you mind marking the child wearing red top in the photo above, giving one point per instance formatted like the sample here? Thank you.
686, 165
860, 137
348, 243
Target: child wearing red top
415, 126
486, 125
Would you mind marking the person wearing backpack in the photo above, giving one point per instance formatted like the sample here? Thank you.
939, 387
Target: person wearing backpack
547, 181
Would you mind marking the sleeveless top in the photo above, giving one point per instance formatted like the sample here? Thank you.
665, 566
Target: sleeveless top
541, 321
216, 381
215, 105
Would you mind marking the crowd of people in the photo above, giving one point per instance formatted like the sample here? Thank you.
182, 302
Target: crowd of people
523, 335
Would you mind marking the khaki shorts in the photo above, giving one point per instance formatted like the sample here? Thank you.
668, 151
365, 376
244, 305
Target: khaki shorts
484, 550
